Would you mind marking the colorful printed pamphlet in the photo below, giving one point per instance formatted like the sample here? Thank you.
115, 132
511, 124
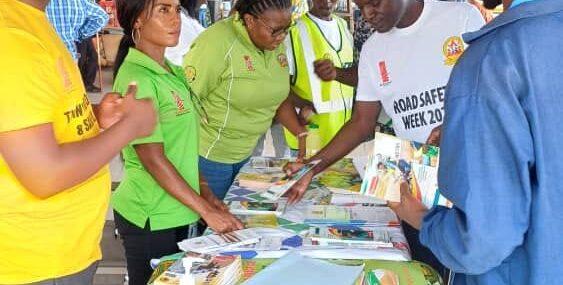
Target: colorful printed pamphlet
258, 208
219, 242
202, 270
395, 161
281, 186
259, 221
359, 215
339, 234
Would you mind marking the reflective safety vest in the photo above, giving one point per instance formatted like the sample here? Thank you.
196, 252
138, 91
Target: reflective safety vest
332, 100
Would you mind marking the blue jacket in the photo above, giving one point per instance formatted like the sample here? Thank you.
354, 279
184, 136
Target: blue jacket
502, 153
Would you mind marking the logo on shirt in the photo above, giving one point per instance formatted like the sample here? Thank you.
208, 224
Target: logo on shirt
181, 109
282, 59
248, 62
385, 79
453, 49
190, 73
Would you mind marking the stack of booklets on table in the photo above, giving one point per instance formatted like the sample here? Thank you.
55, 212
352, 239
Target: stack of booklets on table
258, 221
258, 180
202, 269
219, 242
358, 215
260, 208
261, 172
369, 237
395, 161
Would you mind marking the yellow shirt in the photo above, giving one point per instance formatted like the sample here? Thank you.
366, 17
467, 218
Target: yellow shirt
40, 84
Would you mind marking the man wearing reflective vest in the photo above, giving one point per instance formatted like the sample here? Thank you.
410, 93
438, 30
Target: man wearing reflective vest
318, 35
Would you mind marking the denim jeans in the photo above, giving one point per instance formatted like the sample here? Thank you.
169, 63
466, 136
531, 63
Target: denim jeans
219, 175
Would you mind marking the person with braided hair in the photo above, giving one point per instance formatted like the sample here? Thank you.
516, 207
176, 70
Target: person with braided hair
238, 69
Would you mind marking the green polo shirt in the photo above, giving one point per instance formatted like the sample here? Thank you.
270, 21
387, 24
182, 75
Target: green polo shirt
240, 88
139, 197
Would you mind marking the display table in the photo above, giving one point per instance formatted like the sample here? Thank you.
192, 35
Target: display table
338, 181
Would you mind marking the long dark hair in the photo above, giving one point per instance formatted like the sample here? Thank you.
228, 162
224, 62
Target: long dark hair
128, 11
257, 7
191, 6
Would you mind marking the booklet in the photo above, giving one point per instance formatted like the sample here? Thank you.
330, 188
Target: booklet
197, 269
218, 242
259, 208
281, 186
358, 215
343, 235
395, 161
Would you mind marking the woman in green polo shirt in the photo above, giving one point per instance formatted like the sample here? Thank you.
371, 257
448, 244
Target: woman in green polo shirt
238, 70
161, 197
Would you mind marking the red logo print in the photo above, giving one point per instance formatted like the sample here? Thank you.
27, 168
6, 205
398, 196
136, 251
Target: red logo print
384, 73
248, 62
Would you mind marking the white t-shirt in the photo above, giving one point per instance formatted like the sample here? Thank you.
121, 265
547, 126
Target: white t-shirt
330, 31
408, 69
191, 29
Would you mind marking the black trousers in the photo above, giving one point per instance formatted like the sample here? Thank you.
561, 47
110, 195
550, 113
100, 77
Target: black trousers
141, 245
88, 61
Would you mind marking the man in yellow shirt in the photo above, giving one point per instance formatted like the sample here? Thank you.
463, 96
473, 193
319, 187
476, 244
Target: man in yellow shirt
54, 181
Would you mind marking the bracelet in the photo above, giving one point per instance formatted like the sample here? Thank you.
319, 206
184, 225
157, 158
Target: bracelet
303, 134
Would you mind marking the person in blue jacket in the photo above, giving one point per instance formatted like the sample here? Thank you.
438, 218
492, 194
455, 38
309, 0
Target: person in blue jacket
501, 162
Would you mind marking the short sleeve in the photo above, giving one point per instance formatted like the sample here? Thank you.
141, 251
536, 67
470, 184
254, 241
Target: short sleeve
367, 83
475, 20
30, 83
146, 89
204, 64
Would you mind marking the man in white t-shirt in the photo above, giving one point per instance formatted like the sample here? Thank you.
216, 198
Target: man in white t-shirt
191, 29
403, 67
317, 35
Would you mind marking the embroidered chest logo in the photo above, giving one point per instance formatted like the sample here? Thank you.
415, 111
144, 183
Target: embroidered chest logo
384, 73
248, 62
190, 73
453, 49
181, 109
282, 59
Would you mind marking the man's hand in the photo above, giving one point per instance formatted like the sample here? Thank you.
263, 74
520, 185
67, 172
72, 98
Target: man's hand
325, 69
109, 111
293, 167
434, 137
295, 194
409, 209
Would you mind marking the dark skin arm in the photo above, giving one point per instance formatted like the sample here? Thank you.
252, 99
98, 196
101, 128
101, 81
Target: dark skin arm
353, 133
287, 116
326, 71
45, 167
163, 171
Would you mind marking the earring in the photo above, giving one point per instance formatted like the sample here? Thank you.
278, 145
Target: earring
133, 36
